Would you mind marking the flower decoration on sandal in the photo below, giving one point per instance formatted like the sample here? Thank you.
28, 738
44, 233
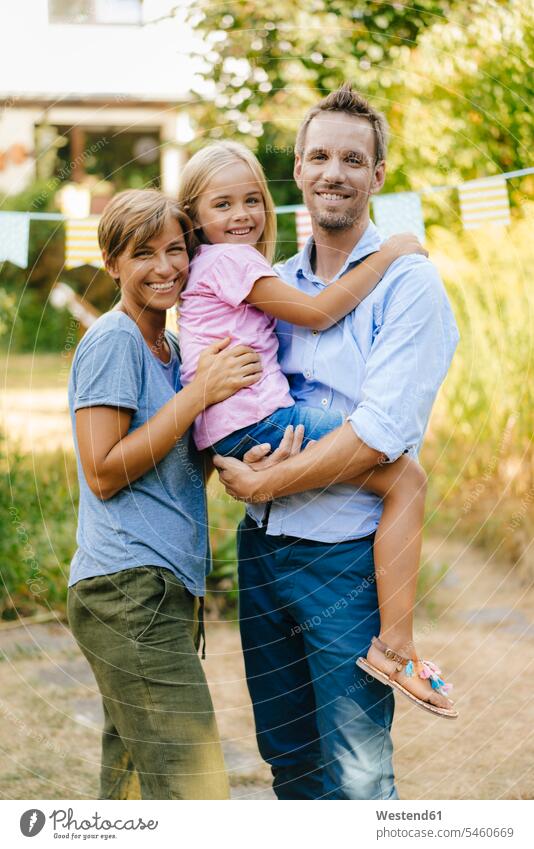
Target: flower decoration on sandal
428, 670
410, 668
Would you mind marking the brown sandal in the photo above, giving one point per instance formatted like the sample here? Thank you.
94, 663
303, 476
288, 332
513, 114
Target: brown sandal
427, 669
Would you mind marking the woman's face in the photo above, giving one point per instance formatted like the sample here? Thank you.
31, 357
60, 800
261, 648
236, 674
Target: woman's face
152, 276
231, 209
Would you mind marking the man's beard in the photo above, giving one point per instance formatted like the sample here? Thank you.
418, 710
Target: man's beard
338, 221
335, 221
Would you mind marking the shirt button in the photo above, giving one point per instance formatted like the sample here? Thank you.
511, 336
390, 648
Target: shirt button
307, 373
315, 333
324, 401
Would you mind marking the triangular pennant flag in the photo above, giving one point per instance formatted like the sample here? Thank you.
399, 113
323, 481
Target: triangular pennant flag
14, 237
484, 202
399, 212
81, 243
304, 227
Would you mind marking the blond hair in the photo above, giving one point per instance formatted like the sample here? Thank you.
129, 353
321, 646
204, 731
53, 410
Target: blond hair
208, 162
350, 102
134, 217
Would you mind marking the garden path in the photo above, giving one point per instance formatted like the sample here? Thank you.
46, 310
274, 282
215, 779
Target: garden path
477, 623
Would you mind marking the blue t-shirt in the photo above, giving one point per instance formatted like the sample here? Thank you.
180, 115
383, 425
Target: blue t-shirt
171, 370
160, 519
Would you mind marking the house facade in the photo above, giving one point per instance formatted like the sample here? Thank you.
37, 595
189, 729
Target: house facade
101, 86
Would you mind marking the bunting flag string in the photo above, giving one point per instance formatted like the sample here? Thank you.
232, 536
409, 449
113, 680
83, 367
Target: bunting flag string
482, 202
400, 212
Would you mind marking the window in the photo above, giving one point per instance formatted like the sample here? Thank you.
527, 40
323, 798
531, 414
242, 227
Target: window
94, 12
124, 158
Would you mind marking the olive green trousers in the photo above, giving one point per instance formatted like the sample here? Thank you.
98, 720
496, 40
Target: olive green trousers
138, 629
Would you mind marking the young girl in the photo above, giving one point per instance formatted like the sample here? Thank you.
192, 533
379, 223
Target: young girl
233, 291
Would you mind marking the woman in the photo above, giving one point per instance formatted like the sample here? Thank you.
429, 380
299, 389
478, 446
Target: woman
143, 551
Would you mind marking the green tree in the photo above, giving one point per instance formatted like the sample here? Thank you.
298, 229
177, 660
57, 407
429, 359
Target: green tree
452, 79
7, 311
295, 51
462, 106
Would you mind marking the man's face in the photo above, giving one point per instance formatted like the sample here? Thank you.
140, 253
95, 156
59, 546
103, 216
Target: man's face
336, 172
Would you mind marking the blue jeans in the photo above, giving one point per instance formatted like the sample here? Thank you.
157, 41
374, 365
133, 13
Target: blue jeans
317, 423
307, 610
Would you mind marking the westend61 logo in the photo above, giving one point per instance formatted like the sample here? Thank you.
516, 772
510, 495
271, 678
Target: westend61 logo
31, 822
66, 826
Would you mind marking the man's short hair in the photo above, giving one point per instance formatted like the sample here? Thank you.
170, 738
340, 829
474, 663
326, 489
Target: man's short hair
350, 102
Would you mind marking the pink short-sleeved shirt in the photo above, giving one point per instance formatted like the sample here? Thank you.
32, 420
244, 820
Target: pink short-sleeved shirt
213, 306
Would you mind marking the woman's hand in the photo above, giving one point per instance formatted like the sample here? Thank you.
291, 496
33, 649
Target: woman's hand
402, 244
222, 371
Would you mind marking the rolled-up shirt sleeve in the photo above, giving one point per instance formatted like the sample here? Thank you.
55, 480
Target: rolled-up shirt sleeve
415, 339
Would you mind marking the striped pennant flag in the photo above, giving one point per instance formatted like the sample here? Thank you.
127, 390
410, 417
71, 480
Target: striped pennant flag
304, 227
81, 243
484, 202
399, 212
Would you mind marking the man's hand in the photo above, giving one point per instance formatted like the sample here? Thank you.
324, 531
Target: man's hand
244, 480
259, 458
240, 480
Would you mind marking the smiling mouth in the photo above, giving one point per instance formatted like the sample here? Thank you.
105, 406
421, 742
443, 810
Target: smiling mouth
163, 287
240, 231
332, 196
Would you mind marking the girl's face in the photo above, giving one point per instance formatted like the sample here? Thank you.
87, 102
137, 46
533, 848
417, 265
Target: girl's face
231, 208
152, 276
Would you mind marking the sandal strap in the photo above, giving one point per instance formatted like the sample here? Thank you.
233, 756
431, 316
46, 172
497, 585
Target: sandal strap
421, 668
390, 653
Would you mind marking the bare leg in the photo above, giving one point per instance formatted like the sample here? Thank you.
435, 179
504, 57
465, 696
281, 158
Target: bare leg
397, 551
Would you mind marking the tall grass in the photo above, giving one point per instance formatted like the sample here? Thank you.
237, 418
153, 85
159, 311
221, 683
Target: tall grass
479, 450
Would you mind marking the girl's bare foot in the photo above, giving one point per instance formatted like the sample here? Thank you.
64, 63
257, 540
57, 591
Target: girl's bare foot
418, 686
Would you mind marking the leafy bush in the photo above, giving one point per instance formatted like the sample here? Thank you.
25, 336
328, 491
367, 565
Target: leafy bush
35, 325
38, 516
37, 531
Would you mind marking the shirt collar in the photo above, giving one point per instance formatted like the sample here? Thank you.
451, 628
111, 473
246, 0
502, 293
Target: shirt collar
367, 244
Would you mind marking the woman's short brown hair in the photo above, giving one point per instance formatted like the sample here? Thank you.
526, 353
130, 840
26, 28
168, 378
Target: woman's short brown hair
136, 216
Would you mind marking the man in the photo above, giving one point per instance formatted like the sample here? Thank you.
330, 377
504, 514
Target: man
308, 604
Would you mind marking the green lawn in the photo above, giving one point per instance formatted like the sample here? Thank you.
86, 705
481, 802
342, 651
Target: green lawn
37, 371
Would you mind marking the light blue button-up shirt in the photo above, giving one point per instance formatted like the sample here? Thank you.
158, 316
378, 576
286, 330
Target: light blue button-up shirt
381, 366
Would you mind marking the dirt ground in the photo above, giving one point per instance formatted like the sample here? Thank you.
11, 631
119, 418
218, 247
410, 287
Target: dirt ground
477, 625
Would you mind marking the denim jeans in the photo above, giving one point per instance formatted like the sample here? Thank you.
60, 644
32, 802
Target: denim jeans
307, 610
317, 423
138, 629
